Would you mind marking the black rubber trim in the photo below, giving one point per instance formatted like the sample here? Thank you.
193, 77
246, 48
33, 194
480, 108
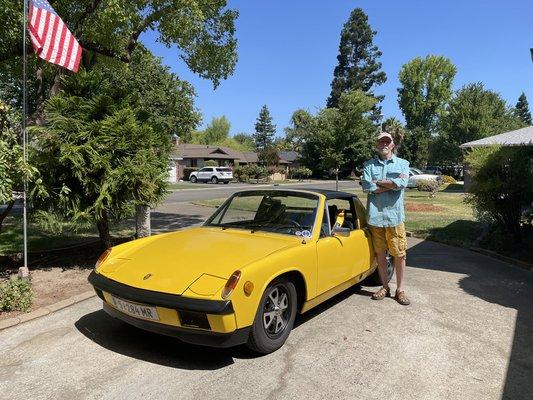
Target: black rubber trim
193, 336
159, 299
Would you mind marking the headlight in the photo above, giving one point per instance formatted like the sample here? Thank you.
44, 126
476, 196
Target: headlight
102, 258
231, 284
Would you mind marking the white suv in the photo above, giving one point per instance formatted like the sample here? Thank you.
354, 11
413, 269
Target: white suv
212, 174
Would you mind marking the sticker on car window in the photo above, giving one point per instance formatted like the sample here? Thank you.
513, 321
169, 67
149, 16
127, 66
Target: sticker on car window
306, 234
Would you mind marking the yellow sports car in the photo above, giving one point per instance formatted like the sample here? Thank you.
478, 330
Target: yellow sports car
261, 258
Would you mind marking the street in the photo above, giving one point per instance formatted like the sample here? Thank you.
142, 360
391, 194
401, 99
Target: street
468, 334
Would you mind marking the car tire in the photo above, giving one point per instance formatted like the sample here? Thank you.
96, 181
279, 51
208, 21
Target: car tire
375, 280
193, 179
269, 332
214, 180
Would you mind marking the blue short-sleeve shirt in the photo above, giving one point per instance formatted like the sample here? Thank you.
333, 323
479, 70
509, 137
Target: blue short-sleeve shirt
385, 209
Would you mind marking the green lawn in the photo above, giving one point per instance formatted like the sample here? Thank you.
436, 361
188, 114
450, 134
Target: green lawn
444, 218
11, 236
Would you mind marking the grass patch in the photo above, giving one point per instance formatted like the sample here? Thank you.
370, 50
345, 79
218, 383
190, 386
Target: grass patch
12, 240
179, 186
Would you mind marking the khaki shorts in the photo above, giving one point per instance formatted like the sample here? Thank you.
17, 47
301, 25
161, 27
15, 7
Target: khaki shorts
390, 238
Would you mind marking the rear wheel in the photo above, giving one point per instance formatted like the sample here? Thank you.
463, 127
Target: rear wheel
375, 280
214, 180
274, 318
226, 182
193, 179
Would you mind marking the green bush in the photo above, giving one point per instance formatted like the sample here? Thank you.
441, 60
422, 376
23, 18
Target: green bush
428, 186
211, 163
187, 172
502, 185
250, 171
16, 295
448, 179
301, 173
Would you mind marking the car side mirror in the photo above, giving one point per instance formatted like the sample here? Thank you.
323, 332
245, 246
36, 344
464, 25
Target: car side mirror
340, 231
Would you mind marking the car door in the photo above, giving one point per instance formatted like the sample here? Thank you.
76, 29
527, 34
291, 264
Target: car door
204, 174
341, 258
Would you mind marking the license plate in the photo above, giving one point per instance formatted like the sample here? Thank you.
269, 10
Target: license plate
135, 309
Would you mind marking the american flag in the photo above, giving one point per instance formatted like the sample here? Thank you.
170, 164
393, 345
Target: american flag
51, 38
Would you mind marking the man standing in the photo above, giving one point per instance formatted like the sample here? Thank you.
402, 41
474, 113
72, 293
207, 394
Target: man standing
384, 179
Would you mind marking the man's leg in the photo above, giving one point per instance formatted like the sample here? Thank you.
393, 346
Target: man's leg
382, 268
399, 267
397, 241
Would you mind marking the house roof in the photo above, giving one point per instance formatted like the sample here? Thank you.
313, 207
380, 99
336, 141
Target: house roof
519, 137
289, 156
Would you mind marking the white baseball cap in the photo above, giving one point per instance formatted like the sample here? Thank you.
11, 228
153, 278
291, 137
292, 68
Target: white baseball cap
384, 134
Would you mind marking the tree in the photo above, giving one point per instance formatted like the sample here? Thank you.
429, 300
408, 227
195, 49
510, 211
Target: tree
425, 91
296, 134
201, 32
268, 156
245, 140
474, 113
522, 109
216, 132
264, 129
99, 155
340, 137
358, 66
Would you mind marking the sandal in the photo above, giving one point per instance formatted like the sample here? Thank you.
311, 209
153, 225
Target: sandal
402, 298
381, 294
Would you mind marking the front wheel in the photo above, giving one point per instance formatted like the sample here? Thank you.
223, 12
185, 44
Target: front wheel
193, 179
274, 318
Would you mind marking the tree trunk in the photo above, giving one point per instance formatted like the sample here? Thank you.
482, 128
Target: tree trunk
142, 221
103, 231
5, 213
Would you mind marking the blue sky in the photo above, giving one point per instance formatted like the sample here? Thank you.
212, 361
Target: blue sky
287, 52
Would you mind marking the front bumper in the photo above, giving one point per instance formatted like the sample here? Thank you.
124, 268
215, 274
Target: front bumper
192, 336
221, 331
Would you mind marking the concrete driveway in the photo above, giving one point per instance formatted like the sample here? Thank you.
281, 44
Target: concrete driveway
468, 334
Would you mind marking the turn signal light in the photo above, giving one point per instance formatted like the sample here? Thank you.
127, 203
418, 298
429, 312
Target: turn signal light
248, 288
231, 284
102, 258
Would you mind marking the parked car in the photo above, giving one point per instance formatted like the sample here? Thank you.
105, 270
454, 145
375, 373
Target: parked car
212, 174
271, 254
433, 170
416, 175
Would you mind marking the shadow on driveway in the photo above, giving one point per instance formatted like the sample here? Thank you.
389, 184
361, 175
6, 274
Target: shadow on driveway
494, 282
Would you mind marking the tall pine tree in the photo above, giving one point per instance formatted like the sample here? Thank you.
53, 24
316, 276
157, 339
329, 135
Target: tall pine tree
522, 109
358, 67
264, 130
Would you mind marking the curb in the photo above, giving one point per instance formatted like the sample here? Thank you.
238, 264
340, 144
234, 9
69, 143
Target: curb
519, 263
41, 312
489, 253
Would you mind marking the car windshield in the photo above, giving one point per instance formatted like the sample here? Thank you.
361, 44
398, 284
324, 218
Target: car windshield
416, 171
287, 212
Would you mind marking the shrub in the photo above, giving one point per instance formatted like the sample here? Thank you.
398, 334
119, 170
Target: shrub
240, 174
16, 295
502, 185
448, 179
301, 173
211, 163
187, 172
275, 169
428, 186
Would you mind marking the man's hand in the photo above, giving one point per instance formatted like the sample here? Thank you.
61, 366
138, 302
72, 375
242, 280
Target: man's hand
381, 190
389, 185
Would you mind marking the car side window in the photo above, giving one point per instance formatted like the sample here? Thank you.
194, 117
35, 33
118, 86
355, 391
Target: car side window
324, 228
336, 207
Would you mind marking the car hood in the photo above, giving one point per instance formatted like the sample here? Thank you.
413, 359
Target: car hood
173, 262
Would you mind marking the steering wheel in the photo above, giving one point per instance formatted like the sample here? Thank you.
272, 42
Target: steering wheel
295, 223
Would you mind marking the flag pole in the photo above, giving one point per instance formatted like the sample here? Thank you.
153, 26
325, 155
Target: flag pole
24, 271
